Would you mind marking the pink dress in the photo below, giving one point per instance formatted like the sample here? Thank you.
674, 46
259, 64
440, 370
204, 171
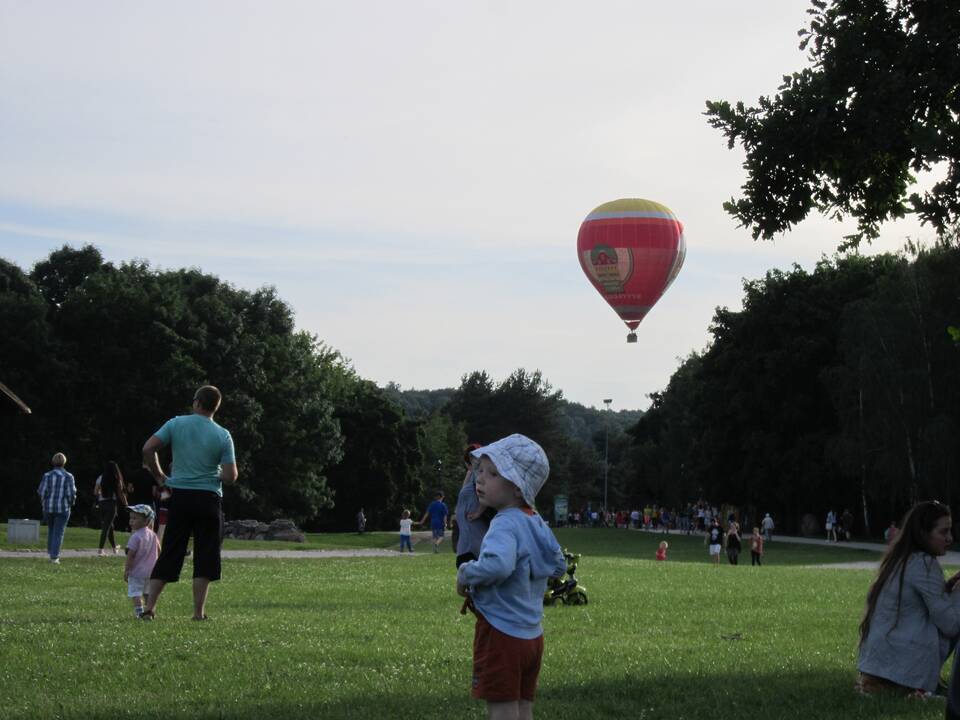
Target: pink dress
145, 547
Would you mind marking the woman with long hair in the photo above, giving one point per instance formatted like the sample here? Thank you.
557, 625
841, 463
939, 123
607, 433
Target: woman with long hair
912, 617
110, 492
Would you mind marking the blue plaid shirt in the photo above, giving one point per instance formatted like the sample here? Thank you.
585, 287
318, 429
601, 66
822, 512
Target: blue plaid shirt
57, 491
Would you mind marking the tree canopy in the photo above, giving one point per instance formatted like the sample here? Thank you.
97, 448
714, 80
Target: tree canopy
833, 388
846, 136
105, 354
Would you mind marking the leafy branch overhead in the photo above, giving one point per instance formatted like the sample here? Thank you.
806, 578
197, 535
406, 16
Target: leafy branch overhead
846, 136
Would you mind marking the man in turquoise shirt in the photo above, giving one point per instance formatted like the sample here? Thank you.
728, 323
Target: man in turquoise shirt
203, 459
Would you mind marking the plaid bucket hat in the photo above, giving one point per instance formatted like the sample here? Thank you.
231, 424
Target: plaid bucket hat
144, 510
521, 461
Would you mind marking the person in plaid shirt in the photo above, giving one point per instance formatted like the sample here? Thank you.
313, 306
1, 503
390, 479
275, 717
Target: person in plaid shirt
58, 492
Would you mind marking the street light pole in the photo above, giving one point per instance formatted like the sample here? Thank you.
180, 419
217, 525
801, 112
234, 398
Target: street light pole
606, 450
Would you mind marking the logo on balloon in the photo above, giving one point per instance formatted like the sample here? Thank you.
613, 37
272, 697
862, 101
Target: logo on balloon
610, 267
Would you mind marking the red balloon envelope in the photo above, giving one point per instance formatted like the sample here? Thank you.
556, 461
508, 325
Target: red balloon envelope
631, 250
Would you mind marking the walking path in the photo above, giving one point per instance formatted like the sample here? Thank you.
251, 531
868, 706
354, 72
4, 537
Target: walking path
951, 558
293, 554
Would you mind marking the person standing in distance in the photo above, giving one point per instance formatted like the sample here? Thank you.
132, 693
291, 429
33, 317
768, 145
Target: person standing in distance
203, 459
58, 492
438, 514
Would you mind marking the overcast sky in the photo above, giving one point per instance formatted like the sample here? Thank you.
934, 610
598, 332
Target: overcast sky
410, 176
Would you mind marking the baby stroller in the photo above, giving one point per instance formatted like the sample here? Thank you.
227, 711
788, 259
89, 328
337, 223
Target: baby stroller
567, 590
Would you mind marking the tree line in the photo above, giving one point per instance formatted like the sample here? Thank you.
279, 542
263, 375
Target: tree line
836, 388
105, 353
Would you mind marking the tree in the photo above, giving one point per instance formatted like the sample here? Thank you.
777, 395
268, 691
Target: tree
105, 354
836, 388
64, 270
381, 453
443, 441
522, 403
880, 102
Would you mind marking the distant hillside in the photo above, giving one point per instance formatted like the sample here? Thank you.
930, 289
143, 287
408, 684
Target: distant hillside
583, 423
579, 422
419, 404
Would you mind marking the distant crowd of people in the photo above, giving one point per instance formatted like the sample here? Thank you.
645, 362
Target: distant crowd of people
690, 518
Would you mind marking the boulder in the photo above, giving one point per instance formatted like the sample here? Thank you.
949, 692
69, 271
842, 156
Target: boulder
289, 536
285, 530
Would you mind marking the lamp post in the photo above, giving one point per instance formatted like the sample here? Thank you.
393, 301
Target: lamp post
606, 450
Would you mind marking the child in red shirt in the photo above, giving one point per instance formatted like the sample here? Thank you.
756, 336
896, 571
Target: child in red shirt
662, 551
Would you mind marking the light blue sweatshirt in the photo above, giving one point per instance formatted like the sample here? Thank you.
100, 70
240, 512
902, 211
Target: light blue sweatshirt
507, 582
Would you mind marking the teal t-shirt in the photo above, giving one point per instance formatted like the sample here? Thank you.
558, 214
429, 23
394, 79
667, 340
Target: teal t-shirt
200, 447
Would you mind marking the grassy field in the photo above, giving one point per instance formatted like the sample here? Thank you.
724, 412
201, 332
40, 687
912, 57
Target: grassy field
383, 638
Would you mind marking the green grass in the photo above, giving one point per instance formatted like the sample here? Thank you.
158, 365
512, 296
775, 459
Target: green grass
383, 638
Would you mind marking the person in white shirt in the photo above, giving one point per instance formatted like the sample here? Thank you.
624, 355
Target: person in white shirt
405, 524
831, 526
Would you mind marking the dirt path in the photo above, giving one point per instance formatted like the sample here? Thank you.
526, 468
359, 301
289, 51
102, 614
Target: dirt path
292, 554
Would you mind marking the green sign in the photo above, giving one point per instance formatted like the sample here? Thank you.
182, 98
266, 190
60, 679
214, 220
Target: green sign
560, 509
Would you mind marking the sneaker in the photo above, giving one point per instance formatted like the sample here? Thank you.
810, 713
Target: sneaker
148, 615
55, 561
199, 619
116, 549
101, 553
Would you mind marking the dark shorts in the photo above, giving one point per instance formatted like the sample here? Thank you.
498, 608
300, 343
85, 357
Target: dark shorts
437, 531
505, 668
197, 513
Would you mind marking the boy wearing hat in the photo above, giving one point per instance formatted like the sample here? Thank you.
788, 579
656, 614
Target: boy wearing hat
143, 547
507, 582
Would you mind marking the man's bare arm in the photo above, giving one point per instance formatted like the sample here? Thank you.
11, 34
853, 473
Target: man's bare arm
228, 473
150, 459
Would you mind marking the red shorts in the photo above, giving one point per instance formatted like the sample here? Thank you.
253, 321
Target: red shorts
505, 668
162, 516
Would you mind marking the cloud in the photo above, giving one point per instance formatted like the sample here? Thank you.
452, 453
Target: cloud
402, 172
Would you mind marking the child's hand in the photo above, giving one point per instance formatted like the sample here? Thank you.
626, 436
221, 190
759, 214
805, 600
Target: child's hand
463, 590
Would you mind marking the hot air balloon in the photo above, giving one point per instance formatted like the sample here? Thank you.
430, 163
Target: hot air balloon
631, 251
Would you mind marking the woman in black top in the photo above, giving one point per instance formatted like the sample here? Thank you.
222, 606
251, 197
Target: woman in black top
733, 543
109, 491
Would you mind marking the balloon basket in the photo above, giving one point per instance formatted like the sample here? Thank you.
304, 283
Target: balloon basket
632, 337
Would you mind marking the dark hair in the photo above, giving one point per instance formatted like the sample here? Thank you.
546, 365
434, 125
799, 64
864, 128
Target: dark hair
209, 398
470, 448
111, 483
917, 525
